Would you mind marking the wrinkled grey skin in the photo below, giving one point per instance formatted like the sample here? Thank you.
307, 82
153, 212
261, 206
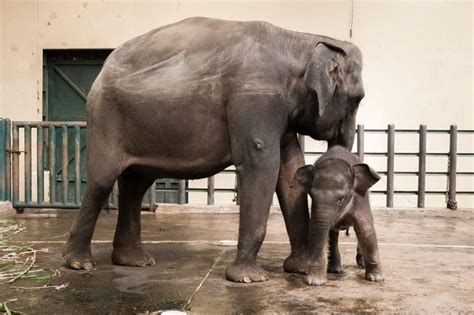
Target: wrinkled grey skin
189, 99
338, 184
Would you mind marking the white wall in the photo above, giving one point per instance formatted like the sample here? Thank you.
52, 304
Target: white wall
418, 55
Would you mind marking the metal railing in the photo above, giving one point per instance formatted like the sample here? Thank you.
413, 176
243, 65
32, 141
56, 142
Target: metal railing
58, 161
422, 154
60, 173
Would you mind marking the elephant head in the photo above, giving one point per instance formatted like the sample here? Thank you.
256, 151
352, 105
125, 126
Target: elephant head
333, 91
334, 185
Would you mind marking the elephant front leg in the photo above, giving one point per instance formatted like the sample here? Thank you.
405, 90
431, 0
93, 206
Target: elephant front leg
255, 130
294, 205
364, 228
256, 192
334, 264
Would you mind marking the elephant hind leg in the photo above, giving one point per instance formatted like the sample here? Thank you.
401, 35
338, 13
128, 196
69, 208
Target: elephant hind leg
128, 250
102, 173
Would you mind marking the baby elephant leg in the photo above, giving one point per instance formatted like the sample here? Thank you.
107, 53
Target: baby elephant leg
364, 228
360, 258
334, 259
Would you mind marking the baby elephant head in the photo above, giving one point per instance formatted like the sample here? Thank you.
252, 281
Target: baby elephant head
333, 184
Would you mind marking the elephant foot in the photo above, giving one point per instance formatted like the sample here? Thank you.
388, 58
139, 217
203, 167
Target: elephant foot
294, 264
360, 261
132, 256
78, 257
245, 273
375, 276
315, 279
335, 268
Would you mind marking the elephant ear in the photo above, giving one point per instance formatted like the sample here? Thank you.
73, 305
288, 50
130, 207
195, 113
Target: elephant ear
365, 177
323, 74
303, 178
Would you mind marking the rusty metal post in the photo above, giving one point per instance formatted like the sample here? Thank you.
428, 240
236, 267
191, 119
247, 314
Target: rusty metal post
360, 142
390, 164
453, 151
4, 152
16, 165
8, 160
28, 185
115, 196
39, 164
181, 191
210, 190
422, 167
52, 165
301, 141
153, 197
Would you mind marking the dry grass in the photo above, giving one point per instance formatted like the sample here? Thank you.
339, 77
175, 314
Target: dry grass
18, 261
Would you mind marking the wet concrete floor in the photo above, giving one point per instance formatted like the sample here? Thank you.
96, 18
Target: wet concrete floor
428, 262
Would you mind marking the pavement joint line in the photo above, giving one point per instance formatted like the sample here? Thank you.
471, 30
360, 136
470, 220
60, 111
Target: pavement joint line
267, 243
188, 303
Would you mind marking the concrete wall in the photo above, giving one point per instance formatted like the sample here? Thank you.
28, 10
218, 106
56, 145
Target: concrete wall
418, 55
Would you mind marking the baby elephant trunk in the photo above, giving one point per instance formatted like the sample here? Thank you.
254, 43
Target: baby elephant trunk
318, 243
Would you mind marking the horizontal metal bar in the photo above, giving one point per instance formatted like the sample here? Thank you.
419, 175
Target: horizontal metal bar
398, 173
396, 153
414, 192
195, 189
45, 205
70, 179
81, 124
84, 124
469, 154
446, 131
427, 173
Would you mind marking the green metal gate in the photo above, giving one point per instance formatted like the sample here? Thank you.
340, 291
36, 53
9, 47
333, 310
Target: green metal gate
44, 167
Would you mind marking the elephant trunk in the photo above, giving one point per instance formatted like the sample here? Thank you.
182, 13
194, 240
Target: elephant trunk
318, 241
346, 132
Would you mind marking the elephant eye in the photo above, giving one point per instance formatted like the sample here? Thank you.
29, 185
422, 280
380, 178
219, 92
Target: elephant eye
340, 200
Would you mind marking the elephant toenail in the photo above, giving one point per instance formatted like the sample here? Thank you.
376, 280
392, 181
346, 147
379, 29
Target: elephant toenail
88, 265
76, 264
246, 280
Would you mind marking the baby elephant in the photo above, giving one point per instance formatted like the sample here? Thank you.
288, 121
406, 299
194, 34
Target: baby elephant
338, 184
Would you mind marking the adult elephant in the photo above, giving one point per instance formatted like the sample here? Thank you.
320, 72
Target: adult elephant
189, 99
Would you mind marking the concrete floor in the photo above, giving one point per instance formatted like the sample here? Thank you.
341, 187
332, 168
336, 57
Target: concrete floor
428, 262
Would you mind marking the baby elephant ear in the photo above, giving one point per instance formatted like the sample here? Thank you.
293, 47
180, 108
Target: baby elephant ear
365, 177
303, 178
